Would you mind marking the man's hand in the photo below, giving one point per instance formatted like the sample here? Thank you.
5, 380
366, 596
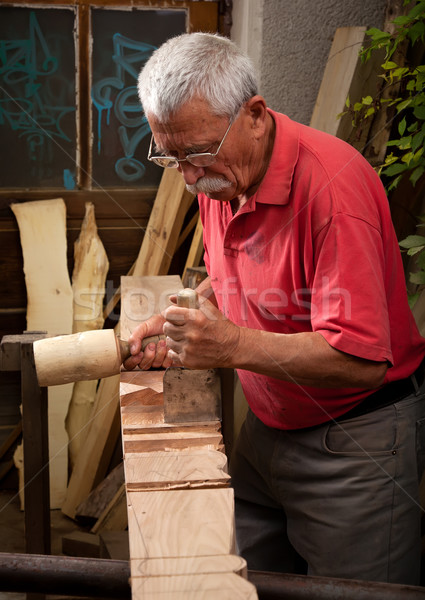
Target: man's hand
155, 355
201, 338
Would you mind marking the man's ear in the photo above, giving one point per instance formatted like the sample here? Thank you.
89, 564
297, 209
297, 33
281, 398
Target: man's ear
256, 110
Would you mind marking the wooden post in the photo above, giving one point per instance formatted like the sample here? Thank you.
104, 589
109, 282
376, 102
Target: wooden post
17, 355
36, 456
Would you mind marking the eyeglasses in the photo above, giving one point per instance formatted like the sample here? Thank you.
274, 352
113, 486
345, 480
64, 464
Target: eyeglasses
200, 159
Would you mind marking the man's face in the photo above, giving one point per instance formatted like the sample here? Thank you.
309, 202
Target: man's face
194, 129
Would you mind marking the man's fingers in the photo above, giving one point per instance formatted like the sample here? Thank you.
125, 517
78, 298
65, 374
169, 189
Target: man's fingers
130, 363
161, 352
173, 331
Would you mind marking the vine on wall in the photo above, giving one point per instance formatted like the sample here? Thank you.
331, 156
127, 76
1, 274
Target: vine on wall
405, 156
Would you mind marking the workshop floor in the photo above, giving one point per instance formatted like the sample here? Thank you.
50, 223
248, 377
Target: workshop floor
12, 535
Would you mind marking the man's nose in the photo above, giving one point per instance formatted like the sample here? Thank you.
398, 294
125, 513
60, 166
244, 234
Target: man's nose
190, 172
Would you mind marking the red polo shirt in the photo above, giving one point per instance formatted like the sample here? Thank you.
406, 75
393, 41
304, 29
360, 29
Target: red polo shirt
313, 250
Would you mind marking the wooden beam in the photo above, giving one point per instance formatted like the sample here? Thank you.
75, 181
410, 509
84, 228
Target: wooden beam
114, 517
102, 433
339, 71
196, 249
36, 456
94, 505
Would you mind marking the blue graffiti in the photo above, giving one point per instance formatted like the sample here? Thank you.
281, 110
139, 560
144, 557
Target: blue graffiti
125, 104
68, 180
27, 103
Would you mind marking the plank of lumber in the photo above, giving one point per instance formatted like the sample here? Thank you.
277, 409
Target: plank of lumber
338, 75
187, 230
196, 249
165, 222
102, 433
181, 523
91, 266
114, 544
114, 517
96, 502
81, 543
42, 227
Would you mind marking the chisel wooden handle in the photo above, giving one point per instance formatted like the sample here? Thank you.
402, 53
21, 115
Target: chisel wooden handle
187, 298
125, 348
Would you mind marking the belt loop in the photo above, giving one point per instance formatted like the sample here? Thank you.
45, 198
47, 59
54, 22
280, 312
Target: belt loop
415, 384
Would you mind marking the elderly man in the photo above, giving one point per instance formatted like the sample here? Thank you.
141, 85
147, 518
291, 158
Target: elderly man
306, 299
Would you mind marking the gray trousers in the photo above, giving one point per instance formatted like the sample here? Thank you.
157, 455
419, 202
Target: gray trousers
339, 500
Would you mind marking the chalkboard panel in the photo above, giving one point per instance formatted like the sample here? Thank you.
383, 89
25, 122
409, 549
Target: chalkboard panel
37, 98
122, 43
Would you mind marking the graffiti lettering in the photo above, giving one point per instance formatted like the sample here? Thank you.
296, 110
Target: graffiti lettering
128, 57
28, 105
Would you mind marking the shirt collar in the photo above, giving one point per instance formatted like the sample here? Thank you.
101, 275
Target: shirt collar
276, 185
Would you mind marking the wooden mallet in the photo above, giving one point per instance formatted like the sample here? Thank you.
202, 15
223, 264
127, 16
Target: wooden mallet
90, 354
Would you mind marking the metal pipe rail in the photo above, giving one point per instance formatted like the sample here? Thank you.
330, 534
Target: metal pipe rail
107, 578
283, 586
65, 575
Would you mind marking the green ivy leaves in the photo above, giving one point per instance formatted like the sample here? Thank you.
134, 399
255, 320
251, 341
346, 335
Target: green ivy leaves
406, 155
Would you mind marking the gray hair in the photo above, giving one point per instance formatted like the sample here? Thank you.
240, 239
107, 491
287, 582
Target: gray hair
196, 64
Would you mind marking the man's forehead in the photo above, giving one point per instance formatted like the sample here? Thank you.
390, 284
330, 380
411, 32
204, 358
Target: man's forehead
191, 134
194, 112
187, 145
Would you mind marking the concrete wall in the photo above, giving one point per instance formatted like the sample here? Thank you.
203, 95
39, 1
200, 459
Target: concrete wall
289, 43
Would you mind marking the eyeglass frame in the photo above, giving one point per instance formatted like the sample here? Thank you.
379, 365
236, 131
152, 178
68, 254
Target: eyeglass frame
174, 162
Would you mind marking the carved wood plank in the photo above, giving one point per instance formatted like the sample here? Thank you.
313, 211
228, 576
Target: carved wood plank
42, 227
179, 502
88, 285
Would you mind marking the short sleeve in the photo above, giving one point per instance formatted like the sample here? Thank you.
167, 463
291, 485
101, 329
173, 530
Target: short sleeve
349, 305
